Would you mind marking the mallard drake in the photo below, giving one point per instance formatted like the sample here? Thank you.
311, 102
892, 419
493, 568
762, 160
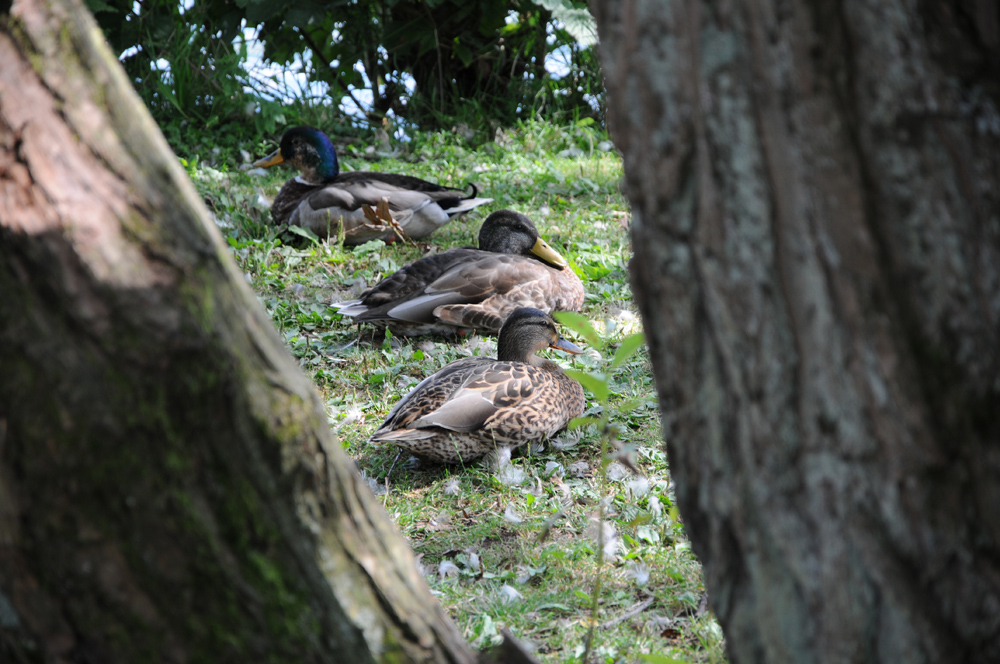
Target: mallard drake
321, 196
476, 405
465, 288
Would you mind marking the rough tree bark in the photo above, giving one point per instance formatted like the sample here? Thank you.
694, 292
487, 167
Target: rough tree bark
817, 261
169, 489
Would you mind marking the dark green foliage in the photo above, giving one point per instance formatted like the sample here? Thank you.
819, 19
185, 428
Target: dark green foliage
185, 65
426, 63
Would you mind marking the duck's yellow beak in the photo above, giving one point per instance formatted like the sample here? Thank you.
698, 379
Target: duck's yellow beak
548, 254
270, 160
568, 346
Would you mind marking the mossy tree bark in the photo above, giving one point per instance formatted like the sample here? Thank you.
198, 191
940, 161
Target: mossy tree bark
816, 191
169, 489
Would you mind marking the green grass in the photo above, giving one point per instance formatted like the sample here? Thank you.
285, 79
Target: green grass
514, 547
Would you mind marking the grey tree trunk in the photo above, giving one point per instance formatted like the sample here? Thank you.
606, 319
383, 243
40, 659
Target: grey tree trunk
816, 192
169, 489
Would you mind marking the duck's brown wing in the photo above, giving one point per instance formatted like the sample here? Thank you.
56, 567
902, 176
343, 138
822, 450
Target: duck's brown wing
412, 279
463, 396
511, 401
431, 393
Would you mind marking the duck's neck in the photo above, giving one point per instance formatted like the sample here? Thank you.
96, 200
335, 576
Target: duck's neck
508, 352
319, 167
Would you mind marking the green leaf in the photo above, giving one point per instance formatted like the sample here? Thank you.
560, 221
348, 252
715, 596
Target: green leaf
577, 20
597, 386
583, 421
304, 232
579, 324
627, 349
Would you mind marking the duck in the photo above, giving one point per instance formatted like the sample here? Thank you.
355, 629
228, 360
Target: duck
468, 289
372, 206
477, 405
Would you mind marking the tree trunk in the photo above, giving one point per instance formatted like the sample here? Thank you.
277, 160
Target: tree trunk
817, 262
169, 488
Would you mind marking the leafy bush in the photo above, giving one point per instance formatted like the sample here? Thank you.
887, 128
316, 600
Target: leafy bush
424, 63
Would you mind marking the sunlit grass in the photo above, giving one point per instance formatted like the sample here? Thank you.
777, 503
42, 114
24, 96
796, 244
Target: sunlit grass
517, 547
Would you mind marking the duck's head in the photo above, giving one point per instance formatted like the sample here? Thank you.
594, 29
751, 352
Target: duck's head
509, 232
527, 331
307, 149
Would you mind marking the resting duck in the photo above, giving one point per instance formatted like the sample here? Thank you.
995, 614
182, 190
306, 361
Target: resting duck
321, 196
465, 288
476, 405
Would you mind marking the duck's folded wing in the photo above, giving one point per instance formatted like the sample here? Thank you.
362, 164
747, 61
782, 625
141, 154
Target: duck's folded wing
467, 410
490, 275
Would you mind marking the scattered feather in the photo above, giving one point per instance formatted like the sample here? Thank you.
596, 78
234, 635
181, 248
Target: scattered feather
655, 507
511, 475
579, 468
639, 571
637, 487
447, 569
498, 459
474, 562
352, 415
567, 440
377, 488
441, 520
553, 469
608, 535
509, 594
510, 514
452, 487
617, 472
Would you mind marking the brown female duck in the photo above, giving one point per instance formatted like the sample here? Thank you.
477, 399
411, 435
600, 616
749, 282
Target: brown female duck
466, 289
476, 405
321, 196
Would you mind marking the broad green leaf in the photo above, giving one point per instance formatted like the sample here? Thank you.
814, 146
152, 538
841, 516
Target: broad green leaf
577, 20
579, 324
627, 349
597, 386
304, 232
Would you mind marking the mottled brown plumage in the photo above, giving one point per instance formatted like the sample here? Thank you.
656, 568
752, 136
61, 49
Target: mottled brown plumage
321, 196
467, 289
476, 405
